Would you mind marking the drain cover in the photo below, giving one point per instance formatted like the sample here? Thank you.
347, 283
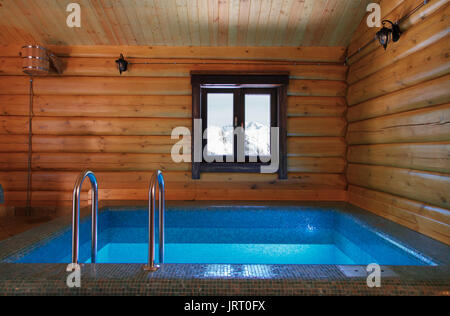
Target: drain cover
360, 271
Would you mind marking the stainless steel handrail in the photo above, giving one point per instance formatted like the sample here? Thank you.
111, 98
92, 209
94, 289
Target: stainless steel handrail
157, 178
76, 215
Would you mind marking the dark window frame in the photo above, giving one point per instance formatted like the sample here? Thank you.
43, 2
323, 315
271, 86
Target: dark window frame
276, 84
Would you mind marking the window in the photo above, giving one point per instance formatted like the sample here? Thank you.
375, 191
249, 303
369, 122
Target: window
243, 123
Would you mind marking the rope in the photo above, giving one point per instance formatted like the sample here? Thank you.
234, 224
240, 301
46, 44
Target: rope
30, 149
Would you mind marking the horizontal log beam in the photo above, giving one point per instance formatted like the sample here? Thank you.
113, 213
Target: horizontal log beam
113, 106
429, 93
429, 187
105, 67
316, 126
106, 162
297, 146
323, 88
14, 105
106, 126
300, 54
10, 85
428, 124
13, 125
316, 164
142, 162
232, 194
418, 156
110, 86
13, 143
64, 180
45, 199
13, 85
13, 161
151, 106
316, 106
13, 180
297, 126
106, 144
316, 146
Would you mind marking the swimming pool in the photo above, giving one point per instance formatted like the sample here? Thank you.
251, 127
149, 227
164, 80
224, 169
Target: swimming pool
232, 235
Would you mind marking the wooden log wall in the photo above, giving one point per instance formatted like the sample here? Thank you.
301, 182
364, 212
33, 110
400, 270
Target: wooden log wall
399, 121
120, 126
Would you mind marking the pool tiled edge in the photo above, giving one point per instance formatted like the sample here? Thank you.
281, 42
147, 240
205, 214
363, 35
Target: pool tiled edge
196, 279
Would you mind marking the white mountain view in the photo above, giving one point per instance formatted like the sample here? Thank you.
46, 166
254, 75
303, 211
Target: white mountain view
256, 142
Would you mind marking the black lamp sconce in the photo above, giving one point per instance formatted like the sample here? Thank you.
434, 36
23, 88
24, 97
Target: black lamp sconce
122, 64
386, 34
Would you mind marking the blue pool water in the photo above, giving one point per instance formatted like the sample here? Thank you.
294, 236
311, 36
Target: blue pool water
228, 253
250, 235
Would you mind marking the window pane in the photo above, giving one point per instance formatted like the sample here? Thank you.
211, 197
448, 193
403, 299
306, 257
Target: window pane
220, 124
257, 124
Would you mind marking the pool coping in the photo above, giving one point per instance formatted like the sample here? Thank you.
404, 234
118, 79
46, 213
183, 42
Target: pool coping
227, 279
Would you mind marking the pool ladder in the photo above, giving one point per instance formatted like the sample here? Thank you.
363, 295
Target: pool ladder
76, 215
156, 180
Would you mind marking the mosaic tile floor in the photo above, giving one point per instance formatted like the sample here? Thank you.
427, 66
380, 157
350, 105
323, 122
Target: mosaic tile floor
15, 225
178, 279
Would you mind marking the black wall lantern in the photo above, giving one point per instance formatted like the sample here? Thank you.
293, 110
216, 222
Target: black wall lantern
385, 34
122, 64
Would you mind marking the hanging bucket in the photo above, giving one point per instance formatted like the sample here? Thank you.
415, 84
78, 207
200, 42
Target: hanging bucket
35, 60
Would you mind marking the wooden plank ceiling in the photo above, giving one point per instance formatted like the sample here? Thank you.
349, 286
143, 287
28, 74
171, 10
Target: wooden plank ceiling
183, 22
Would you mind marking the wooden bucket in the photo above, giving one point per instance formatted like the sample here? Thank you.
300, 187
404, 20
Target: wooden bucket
35, 60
